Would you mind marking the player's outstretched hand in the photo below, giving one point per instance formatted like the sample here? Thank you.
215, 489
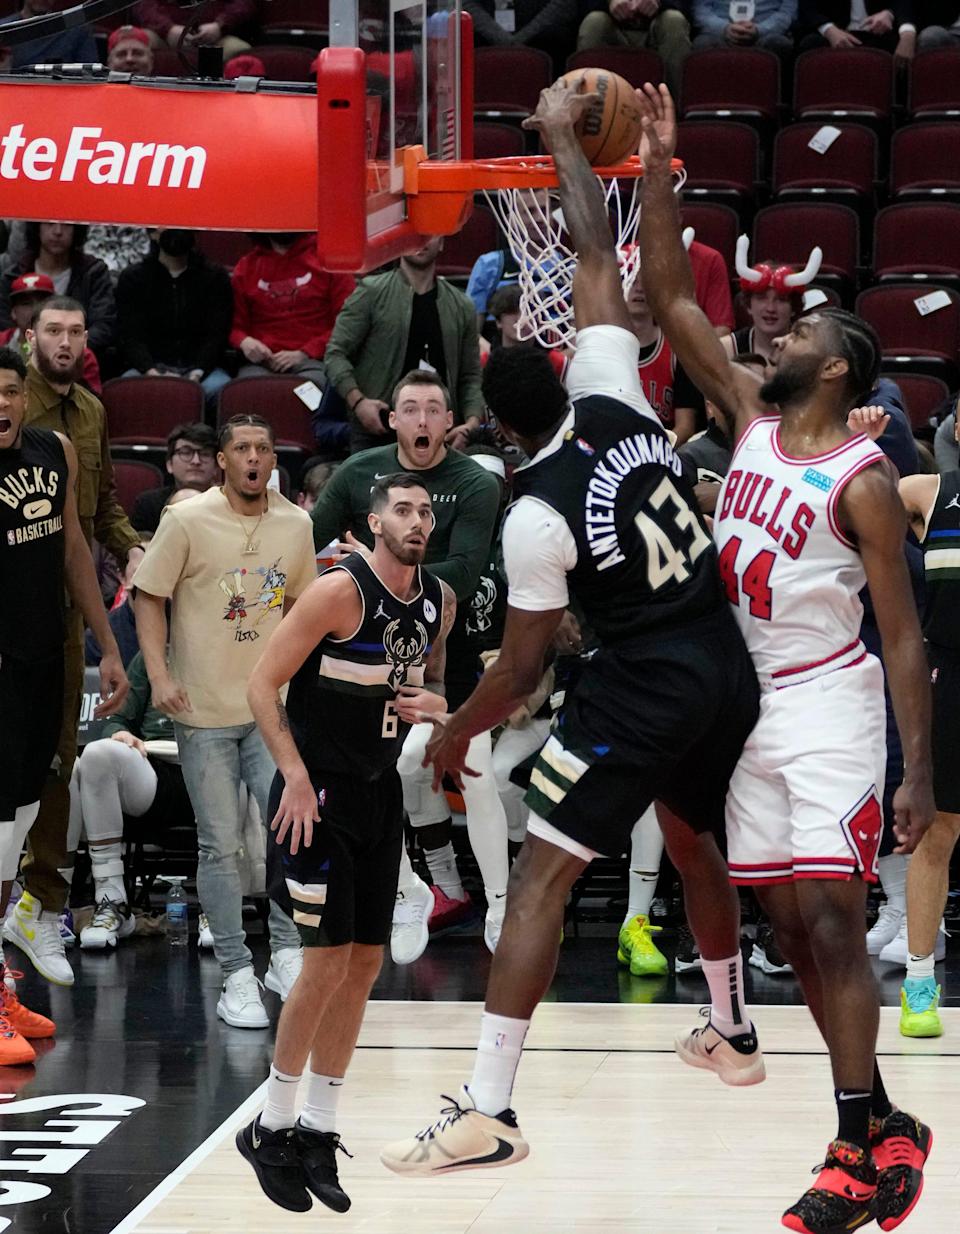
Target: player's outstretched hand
297, 812
560, 107
870, 420
113, 686
659, 119
447, 752
913, 812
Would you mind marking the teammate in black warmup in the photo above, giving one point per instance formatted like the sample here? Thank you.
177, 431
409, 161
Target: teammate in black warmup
363, 650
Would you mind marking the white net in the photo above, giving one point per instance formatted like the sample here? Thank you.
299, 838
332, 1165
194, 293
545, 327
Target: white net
533, 224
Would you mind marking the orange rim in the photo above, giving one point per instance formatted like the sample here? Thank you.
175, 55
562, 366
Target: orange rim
518, 172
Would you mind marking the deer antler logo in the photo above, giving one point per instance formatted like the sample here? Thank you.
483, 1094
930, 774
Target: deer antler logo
404, 650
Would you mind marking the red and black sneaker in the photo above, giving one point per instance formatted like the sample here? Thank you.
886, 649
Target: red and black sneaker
842, 1197
900, 1145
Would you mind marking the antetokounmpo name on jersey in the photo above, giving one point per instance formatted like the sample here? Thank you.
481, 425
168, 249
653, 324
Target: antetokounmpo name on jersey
609, 472
753, 498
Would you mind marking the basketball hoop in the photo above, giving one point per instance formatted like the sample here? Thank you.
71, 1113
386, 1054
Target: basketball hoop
523, 193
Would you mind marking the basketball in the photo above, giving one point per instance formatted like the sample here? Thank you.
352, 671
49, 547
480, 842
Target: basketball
609, 130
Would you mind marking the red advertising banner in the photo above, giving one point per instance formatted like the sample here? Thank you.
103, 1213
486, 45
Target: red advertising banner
153, 156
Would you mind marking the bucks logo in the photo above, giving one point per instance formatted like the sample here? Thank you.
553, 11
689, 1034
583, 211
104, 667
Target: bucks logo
403, 650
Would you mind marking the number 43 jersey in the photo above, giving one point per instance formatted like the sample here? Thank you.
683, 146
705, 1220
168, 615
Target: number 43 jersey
342, 700
791, 574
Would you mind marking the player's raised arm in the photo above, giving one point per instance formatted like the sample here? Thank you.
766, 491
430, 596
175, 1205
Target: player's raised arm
668, 279
597, 291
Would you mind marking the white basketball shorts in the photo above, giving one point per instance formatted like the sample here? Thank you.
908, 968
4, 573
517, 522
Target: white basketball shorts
805, 800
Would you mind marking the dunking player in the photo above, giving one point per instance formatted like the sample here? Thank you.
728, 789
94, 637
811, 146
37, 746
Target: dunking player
661, 710
807, 514
41, 549
364, 652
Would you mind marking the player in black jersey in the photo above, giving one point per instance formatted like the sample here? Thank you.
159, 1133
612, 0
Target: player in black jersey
661, 710
42, 550
363, 650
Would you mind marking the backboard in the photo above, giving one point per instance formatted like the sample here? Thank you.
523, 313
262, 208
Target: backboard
398, 75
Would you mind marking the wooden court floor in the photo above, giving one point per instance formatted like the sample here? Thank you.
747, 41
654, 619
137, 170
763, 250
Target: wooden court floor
624, 1138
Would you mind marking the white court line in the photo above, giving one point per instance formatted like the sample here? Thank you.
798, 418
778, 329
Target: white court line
163, 1189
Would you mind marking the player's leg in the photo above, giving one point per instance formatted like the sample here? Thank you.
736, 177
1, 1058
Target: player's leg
891, 923
635, 945
515, 746
487, 829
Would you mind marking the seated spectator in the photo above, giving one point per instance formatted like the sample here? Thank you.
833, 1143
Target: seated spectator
129, 51
839, 23
550, 25
406, 318
655, 24
667, 388
75, 45
26, 292
312, 483
712, 285
505, 310
57, 250
121, 619
714, 26
225, 24
191, 464
175, 310
939, 22
285, 305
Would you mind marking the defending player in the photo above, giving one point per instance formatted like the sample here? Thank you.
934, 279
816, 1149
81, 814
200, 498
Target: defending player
364, 652
660, 711
807, 514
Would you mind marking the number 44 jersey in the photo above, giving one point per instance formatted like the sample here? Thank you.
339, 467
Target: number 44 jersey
342, 700
790, 572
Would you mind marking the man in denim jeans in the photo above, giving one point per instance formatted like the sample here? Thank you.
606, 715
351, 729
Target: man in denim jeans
229, 562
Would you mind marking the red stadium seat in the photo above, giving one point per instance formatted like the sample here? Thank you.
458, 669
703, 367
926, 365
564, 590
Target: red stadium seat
273, 398
132, 479
722, 161
736, 83
922, 396
847, 170
935, 85
286, 63
508, 80
717, 226
788, 232
918, 240
223, 248
925, 343
143, 410
925, 161
478, 235
855, 82
497, 141
635, 65
296, 21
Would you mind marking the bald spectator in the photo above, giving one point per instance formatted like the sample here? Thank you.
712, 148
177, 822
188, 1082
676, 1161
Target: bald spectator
129, 51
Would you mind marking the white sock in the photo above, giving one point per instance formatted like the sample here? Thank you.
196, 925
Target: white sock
495, 1066
280, 1109
107, 867
893, 879
919, 966
725, 979
646, 849
408, 878
442, 864
496, 902
319, 1111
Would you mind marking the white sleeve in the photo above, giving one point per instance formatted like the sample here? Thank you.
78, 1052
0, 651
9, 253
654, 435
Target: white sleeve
538, 551
606, 362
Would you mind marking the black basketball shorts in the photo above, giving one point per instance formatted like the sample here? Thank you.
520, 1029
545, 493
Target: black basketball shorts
945, 728
31, 713
662, 721
342, 887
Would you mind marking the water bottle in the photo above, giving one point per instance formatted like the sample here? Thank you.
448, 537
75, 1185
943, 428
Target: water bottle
176, 912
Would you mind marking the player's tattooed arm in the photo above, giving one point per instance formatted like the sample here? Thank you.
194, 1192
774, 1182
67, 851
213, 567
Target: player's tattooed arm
283, 720
435, 668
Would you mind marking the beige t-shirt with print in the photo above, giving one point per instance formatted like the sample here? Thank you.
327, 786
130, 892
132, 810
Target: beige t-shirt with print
225, 603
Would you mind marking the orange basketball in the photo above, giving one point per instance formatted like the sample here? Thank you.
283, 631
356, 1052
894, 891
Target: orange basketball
609, 130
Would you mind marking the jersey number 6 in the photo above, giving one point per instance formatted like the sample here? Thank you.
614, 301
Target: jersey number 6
391, 721
666, 561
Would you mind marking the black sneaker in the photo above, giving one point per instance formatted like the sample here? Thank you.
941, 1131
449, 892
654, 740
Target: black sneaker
276, 1163
900, 1145
766, 955
842, 1197
318, 1159
687, 955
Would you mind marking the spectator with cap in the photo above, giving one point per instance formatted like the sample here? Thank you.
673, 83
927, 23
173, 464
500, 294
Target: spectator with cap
74, 45
129, 51
175, 311
26, 292
225, 24
191, 464
659, 25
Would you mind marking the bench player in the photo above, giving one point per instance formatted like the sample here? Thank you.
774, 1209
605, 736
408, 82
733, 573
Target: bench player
807, 514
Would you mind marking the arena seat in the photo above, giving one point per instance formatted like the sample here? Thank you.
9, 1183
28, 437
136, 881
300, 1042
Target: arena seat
224, 248
925, 161
922, 395
787, 232
478, 235
732, 83
273, 398
846, 171
508, 80
722, 161
305, 22
143, 410
918, 240
855, 82
285, 63
133, 478
497, 141
635, 64
924, 343
715, 225
934, 90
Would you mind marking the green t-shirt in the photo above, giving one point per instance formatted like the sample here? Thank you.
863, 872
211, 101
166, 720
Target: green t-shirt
466, 501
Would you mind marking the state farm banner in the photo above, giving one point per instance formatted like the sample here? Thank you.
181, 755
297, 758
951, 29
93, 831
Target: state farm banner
158, 156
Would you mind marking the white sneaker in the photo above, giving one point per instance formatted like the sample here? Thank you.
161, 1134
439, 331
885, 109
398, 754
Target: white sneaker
897, 950
110, 923
736, 1060
285, 966
492, 926
885, 928
37, 934
410, 931
462, 1139
205, 935
240, 1004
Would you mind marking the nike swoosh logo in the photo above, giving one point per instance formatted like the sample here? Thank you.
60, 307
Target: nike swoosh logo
37, 509
254, 1137
710, 1048
503, 1152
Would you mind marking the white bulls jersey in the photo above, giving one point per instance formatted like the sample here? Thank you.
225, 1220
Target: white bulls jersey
790, 573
